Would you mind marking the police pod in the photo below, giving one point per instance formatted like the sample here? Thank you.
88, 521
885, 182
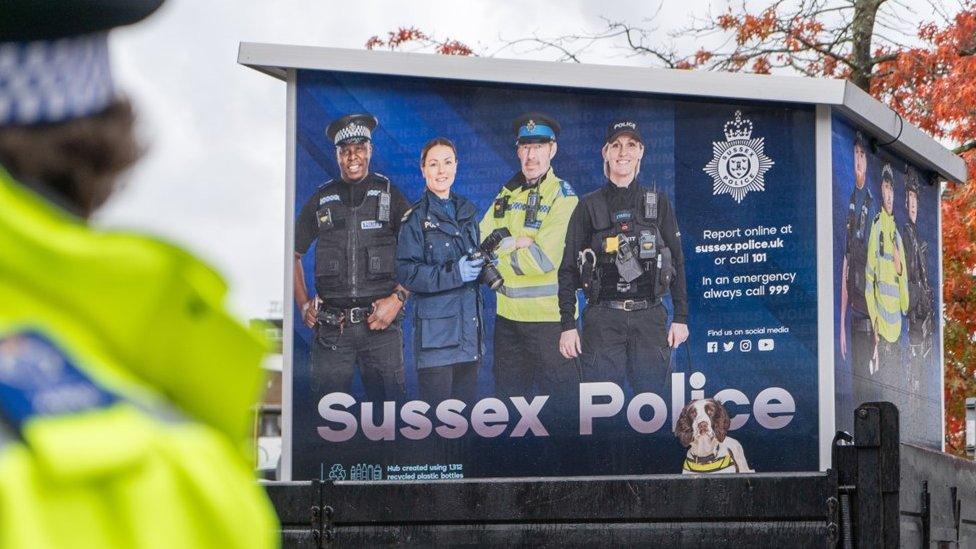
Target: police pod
646, 413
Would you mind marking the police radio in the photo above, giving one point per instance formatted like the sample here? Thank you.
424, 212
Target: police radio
532, 208
650, 205
383, 214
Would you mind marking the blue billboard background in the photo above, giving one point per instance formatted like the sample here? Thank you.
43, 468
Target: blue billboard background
679, 139
920, 406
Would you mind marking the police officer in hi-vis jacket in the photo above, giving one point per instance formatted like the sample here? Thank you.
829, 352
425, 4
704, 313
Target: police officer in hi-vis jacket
534, 205
125, 385
886, 280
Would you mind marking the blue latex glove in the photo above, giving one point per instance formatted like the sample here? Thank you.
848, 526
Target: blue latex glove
470, 269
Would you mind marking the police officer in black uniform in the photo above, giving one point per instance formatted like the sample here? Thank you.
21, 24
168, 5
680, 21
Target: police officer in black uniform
623, 248
859, 215
920, 297
355, 315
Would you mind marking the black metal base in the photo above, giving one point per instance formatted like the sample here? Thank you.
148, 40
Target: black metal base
878, 494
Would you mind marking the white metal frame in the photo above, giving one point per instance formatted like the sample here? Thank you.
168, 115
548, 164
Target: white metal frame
288, 325
825, 283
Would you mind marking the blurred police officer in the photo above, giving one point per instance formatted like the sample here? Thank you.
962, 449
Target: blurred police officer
355, 219
124, 384
886, 280
623, 247
852, 287
534, 205
920, 297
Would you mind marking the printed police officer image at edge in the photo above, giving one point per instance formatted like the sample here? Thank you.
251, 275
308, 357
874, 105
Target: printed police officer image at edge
355, 312
852, 288
921, 299
125, 385
886, 280
623, 248
437, 263
535, 206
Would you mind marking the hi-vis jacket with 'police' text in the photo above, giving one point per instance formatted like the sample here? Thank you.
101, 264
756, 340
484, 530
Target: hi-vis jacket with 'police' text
124, 392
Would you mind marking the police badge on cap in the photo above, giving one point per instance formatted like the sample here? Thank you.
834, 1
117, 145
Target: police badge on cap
535, 127
624, 126
54, 63
352, 128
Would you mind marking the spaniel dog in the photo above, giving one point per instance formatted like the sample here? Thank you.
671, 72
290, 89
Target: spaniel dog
702, 428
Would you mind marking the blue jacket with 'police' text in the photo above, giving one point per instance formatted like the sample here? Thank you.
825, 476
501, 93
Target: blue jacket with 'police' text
447, 312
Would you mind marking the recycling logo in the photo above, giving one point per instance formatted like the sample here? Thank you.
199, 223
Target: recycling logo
337, 472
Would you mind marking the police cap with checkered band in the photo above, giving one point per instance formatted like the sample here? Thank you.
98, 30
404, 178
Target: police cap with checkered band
54, 63
352, 128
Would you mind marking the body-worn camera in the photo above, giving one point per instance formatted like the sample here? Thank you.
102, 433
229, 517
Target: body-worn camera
486, 250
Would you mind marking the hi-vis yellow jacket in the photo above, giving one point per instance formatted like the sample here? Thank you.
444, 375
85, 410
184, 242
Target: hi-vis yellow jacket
886, 290
124, 392
529, 292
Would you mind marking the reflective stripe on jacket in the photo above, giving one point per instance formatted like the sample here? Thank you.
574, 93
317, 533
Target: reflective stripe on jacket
886, 290
147, 447
531, 273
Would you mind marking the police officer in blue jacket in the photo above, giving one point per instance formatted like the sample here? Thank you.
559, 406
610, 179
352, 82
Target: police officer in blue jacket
436, 237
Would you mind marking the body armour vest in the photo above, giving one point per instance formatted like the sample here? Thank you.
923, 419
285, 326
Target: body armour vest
356, 244
639, 225
857, 250
921, 309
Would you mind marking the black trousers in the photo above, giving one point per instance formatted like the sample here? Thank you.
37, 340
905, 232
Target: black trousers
439, 383
890, 361
627, 347
377, 353
862, 344
528, 362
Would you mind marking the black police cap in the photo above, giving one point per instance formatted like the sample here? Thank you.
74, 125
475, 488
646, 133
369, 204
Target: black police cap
535, 127
30, 20
352, 128
911, 182
623, 126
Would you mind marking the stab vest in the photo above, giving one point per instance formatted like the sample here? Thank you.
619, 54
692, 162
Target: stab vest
857, 250
355, 255
918, 283
638, 223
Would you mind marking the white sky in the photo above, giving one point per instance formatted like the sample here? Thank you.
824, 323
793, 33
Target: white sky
213, 178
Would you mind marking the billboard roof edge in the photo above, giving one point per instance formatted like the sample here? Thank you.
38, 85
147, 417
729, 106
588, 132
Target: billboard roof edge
274, 59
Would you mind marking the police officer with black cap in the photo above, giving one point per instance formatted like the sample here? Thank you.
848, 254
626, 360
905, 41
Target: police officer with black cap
861, 210
355, 219
920, 296
623, 249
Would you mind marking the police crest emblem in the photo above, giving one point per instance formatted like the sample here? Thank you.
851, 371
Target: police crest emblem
739, 163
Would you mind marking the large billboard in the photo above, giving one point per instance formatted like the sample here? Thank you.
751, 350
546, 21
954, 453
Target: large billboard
629, 218
887, 298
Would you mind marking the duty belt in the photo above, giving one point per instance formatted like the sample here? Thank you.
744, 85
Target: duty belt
336, 317
861, 324
629, 304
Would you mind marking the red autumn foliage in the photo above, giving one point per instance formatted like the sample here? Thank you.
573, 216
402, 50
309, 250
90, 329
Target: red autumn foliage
406, 35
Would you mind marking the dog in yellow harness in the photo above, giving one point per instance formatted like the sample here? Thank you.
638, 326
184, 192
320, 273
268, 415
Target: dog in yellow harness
703, 428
